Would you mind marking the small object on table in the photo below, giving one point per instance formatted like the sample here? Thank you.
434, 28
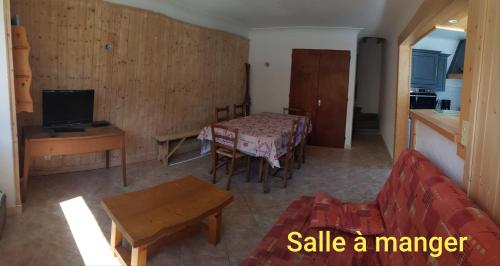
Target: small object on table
100, 123
156, 216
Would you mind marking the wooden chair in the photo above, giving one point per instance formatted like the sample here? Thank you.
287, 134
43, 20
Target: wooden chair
221, 114
292, 111
301, 152
224, 145
239, 111
286, 160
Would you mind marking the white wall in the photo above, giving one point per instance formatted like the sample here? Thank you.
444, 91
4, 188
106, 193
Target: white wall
445, 46
270, 86
441, 151
369, 75
392, 27
6, 138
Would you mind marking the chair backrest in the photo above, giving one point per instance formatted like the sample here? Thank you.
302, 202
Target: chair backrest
221, 114
307, 127
292, 137
292, 111
239, 111
224, 137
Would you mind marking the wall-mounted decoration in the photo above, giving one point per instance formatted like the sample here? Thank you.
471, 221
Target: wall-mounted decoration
22, 70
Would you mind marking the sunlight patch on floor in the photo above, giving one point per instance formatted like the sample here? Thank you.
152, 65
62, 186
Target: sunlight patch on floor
93, 246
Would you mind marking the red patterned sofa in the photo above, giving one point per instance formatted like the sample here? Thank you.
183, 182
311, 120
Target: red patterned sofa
416, 200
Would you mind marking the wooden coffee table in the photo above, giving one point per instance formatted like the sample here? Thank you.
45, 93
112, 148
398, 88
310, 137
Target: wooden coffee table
156, 216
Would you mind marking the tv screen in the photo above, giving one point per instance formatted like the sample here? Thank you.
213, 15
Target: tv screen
67, 107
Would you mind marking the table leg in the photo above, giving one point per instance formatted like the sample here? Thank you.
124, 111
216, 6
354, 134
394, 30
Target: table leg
139, 256
214, 228
107, 159
116, 238
26, 168
124, 163
265, 183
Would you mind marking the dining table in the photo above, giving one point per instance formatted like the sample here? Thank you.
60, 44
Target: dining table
261, 135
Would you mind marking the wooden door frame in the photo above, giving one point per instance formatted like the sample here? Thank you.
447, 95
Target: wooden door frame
17, 209
431, 13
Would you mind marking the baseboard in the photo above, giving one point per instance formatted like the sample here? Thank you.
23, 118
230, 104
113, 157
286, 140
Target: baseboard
16, 210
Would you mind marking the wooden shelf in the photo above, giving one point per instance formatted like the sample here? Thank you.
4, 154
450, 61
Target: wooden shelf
455, 76
22, 69
446, 125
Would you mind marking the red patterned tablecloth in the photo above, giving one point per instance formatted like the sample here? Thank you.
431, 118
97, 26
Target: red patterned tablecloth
260, 135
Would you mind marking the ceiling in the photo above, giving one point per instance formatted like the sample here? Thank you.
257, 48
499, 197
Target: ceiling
447, 34
244, 15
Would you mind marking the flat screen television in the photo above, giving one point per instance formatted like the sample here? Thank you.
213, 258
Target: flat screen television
67, 108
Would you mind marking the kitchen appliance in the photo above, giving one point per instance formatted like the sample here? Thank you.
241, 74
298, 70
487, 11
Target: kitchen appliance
443, 105
422, 99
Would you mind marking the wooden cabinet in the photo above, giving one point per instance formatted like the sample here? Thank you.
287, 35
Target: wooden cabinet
428, 69
319, 86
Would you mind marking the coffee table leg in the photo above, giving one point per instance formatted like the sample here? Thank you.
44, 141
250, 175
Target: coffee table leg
116, 238
139, 256
214, 227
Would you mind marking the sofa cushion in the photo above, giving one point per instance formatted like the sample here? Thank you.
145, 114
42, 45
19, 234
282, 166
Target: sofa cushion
273, 248
328, 212
418, 200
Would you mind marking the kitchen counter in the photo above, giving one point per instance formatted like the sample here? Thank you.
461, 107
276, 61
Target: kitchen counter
446, 125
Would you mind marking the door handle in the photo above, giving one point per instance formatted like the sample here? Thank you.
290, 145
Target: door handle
319, 103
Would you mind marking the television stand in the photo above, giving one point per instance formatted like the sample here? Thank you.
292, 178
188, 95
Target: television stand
67, 129
38, 142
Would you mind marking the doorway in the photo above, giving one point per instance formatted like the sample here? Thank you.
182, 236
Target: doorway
319, 85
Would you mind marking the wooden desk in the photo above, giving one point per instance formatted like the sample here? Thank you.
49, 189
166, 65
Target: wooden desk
38, 142
162, 214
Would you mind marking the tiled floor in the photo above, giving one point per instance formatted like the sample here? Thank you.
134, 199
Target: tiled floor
41, 236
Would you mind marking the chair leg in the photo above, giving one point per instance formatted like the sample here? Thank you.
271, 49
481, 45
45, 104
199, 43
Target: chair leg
265, 177
231, 169
299, 158
261, 169
285, 174
249, 162
214, 168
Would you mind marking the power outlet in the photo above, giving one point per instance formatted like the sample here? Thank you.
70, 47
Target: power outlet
465, 132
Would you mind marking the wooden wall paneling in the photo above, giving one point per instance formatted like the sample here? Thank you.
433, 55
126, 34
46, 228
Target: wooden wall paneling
473, 36
132, 82
164, 46
161, 75
483, 149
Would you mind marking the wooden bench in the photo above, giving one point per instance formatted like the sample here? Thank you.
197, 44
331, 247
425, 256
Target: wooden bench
164, 152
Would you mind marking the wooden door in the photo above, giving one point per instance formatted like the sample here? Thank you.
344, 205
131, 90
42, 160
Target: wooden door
319, 85
304, 80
